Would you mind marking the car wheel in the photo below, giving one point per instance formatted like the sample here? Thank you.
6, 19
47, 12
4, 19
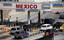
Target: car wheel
19, 37
15, 37
22, 37
41, 30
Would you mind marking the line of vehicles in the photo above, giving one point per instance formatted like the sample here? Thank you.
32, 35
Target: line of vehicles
19, 32
47, 28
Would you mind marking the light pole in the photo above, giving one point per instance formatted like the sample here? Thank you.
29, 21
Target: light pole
28, 17
1, 13
39, 18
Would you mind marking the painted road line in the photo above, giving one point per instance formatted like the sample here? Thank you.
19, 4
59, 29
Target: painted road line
4, 34
9, 38
1, 32
3, 37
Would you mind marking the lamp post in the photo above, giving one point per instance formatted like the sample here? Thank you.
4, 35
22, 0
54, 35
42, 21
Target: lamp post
1, 13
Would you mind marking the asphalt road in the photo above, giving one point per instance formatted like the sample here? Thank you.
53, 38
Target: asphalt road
7, 36
59, 36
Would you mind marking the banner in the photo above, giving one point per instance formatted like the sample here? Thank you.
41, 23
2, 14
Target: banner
58, 6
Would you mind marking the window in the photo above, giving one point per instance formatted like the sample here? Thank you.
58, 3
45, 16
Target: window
34, 10
19, 10
18, 28
7, 4
46, 6
13, 29
48, 25
43, 26
6, 0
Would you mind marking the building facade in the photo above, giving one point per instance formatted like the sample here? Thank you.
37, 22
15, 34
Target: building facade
12, 8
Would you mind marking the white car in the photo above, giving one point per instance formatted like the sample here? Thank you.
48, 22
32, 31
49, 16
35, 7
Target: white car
46, 27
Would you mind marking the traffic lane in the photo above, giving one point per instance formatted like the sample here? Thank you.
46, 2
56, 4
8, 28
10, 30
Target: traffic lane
46, 38
33, 38
59, 36
5, 36
50, 36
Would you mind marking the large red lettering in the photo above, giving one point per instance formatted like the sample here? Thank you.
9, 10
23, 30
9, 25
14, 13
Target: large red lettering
26, 6
17, 6
31, 6
35, 6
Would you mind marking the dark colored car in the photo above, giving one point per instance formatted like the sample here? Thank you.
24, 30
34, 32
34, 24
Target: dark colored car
48, 21
21, 34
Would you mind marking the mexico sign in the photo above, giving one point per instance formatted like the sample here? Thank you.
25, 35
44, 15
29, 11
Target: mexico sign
28, 5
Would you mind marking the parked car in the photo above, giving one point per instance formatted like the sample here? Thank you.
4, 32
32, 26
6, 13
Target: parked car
46, 27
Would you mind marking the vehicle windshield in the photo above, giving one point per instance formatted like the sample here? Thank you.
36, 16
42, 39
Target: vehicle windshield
13, 29
18, 28
43, 26
48, 25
